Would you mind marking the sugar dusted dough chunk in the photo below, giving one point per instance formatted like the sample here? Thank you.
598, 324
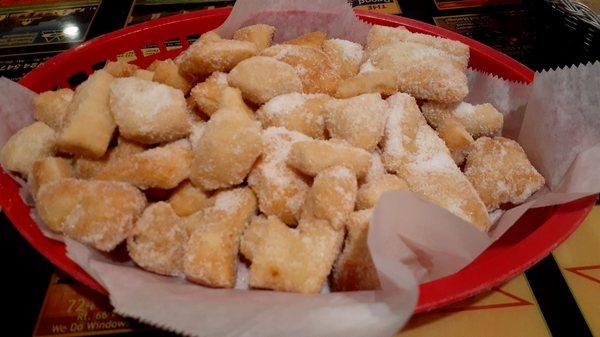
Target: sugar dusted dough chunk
226, 151
207, 94
280, 190
212, 251
157, 240
167, 72
260, 34
479, 120
47, 170
188, 199
316, 70
376, 81
304, 113
120, 68
456, 137
332, 196
414, 151
206, 56
312, 157
261, 78
26, 146
358, 120
500, 172
160, 167
376, 169
89, 125
86, 168
346, 56
231, 98
72, 206
144, 74
381, 35
313, 39
422, 71
148, 112
291, 260
404, 121
370, 192
354, 269
51, 107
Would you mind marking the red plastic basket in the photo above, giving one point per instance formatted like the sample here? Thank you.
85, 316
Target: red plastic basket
533, 238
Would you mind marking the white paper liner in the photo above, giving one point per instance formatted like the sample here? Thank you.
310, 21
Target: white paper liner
410, 239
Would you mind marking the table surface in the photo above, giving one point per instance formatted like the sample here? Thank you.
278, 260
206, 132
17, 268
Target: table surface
560, 296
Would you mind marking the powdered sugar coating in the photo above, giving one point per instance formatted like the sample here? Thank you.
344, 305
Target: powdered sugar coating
359, 120
304, 113
148, 112
280, 190
500, 172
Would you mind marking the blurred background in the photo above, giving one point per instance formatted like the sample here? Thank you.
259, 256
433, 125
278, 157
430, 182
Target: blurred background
560, 296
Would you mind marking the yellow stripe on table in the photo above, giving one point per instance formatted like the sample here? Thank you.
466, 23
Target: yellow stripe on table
579, 262
510, 310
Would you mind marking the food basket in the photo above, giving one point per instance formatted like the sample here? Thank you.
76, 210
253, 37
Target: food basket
531, 239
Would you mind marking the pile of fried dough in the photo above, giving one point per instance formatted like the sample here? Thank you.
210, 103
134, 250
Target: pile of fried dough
241, 151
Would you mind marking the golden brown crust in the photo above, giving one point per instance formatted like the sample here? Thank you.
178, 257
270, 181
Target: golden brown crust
316, 70
500, 172
354, 269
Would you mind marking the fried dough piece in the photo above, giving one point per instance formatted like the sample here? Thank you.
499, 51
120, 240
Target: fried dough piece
500, 172
49, 169
313, 66
160, 167
260, 34
254, 232
51, 107
291, 260
188, 199
87, 168
26, 146
148, 112
422, 71
157, 240
261, 78
206, 56
207, 94
280, 190
456, 137
314, 156
231, 98
331, 197
228, 147
414, 151
382, 35
211, 253
376, 169
89, 126
72, 206
313, 39
479, 120
358, 120
144, 74
120, 68
167, 72
404, 121
370, 192
345, 55
354, 269
304, 113
368, 82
